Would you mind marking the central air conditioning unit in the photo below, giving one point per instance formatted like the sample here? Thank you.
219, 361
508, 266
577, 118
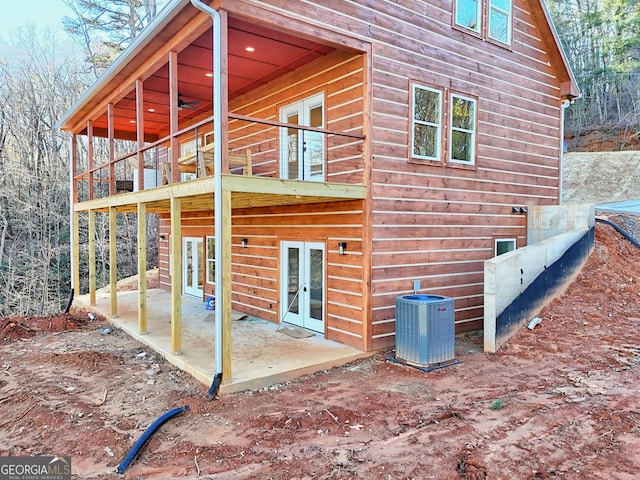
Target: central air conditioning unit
425, 329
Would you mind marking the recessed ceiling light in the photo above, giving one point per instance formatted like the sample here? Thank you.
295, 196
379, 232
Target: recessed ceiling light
250, 49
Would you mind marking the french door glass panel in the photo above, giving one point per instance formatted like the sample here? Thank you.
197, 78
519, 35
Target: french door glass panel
303, 284
194, 266
302, 156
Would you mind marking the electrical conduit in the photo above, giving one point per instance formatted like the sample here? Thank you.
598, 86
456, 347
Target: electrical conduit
217, 186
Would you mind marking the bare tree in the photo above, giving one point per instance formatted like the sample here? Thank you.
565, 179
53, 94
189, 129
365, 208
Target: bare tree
38, 80
105, 27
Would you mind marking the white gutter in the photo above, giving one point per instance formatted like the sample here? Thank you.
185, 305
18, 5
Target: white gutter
217, 178
164, 18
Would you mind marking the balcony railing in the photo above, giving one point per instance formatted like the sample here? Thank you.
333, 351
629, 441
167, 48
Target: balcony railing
257, 147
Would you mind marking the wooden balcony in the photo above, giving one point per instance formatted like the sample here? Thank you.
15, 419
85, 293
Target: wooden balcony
267, 164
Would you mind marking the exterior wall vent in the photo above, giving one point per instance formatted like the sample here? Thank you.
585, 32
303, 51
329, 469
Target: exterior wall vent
425, 329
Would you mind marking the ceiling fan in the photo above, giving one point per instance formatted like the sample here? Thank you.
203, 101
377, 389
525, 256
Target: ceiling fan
184, 104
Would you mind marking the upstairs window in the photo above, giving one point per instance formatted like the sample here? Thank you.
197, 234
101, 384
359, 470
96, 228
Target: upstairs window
500, 20
426, 123
468, 14
489, 19
463, 130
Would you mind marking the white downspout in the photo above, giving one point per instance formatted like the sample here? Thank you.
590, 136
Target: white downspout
72, 262
565, 104
217, 183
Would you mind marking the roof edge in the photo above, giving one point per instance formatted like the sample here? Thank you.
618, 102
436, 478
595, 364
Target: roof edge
158, 23
569, 87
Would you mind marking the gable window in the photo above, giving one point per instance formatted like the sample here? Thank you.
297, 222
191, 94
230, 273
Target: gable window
426, 123
468, 14
211, 259
462, 141
488, 19
504, 245
500, 20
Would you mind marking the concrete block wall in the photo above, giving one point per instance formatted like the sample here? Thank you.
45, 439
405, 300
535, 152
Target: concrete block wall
521, 282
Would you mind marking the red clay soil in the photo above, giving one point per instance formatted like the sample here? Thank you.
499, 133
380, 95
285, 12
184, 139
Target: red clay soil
559, 401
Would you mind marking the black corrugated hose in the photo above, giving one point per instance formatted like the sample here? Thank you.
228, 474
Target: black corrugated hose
620, 230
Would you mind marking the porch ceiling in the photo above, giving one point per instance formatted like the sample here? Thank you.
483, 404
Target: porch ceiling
246, 192
256, 56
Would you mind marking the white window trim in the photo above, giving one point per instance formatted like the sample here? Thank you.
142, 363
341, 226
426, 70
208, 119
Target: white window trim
508, 13
438, 156
513, 241
473, 132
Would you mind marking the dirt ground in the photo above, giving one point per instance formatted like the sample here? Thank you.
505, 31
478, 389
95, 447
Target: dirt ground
559, 401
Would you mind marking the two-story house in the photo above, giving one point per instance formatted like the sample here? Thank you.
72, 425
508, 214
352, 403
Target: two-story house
312, 161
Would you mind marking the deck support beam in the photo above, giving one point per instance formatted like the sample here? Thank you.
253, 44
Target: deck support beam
76, 252
142, 269
113, 262
226, 286
176, 277
92, 257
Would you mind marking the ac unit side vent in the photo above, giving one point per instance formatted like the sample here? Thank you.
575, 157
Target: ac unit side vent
425, 329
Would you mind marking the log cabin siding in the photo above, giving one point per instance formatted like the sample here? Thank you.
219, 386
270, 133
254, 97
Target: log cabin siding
432, 222
256, 268
518, 112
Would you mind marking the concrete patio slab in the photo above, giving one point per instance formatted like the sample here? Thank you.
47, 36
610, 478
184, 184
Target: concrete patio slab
261, 355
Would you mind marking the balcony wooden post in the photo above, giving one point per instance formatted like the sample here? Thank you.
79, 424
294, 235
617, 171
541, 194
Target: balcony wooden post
90, 163
110, 134
140, 131
173, 114
74, 168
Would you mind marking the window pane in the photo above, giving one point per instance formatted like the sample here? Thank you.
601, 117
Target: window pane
467, 14
211, 262
315, 117
462, 113
427, 105
504, 246
498, 25
504, 5
461, 146
500, 20
426, 123
425, 141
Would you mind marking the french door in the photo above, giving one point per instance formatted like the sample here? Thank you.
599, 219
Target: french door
302, 284
193, 266
302, 151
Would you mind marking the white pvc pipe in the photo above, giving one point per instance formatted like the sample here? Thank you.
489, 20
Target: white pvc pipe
217, 172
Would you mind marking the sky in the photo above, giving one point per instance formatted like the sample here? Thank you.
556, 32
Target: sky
41, 13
